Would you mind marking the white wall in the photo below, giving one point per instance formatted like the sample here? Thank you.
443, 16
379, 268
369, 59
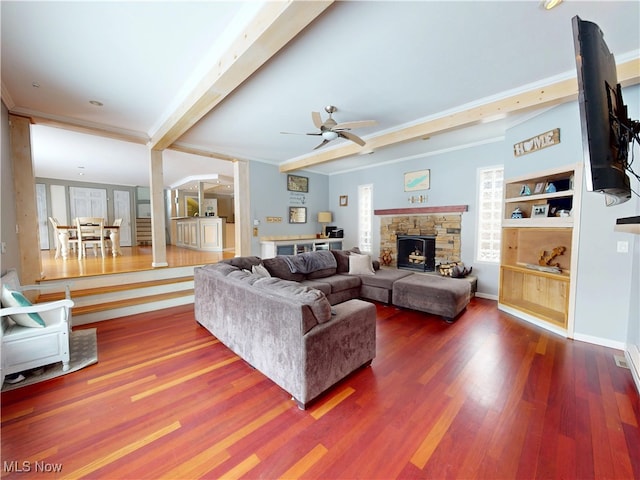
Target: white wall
270, 198
11, 257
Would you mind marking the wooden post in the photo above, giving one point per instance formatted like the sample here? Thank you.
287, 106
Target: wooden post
25, 200
158, 237
241, 200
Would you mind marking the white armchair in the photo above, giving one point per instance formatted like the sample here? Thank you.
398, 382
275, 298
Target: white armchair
26, 347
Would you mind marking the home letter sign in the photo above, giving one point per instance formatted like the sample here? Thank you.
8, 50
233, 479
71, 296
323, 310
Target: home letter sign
544, 140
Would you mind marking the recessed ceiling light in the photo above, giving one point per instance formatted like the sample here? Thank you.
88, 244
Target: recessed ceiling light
96, 103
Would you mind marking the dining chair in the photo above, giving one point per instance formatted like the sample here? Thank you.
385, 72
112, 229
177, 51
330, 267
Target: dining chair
56, 235
90, 231
116, 223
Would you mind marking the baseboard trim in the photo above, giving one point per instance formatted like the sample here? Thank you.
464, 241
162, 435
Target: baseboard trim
603, 342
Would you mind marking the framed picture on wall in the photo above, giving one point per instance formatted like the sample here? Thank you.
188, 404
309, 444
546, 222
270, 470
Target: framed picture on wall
296, 183
344, 200
297, 214
419, 180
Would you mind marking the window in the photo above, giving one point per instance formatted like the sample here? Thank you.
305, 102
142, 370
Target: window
365, 212
490, 180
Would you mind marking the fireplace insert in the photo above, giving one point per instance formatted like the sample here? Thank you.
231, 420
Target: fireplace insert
417, 252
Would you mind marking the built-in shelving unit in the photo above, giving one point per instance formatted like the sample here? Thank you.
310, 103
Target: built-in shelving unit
545, 236
273, 246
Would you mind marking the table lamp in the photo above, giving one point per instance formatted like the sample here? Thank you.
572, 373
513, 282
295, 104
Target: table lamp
323, 219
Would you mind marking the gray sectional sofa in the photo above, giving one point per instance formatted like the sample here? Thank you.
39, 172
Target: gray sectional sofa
301, 320
286, 330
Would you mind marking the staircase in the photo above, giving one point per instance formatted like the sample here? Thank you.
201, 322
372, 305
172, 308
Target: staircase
103, 297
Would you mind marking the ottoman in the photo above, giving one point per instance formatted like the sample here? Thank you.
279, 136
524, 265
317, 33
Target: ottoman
378, 287
432, 294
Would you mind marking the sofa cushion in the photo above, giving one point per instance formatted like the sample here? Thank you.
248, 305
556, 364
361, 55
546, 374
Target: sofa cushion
322, 273
222, 269
243, 263
385, 277
309, 262
319, 284
244, 276
342, 258
360, 265
278, 267
311, 297
260, 270
12, 298
341, 282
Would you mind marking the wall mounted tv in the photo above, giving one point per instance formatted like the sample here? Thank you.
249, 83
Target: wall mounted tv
607, 131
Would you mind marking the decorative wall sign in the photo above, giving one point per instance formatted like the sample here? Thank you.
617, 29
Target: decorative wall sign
297, 198
544, 140
297, 214
297, 184
416, 180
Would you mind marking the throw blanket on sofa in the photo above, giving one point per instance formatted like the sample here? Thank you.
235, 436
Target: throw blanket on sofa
310, 261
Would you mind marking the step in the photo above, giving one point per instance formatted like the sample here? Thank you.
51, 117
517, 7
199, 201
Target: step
103, 306
88, 292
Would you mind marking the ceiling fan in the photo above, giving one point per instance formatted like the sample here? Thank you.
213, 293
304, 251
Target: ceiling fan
330, 129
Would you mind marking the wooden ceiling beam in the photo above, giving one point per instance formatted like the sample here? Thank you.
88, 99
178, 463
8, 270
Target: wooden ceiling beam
550, 95
275, 25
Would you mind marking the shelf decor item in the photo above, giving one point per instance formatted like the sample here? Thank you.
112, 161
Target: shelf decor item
296, 183
517, 213
525, 190
541, 210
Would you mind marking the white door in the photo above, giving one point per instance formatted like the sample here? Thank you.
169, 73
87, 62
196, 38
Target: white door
122, 209
43, 221
88, 202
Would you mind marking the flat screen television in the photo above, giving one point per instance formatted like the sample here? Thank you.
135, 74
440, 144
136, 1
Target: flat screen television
607, 131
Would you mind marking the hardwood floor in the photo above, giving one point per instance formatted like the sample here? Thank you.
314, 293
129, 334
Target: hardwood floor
487, 397
132, 259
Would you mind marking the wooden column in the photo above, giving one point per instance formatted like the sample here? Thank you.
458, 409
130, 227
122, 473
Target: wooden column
158, 237
242, 203
25, 199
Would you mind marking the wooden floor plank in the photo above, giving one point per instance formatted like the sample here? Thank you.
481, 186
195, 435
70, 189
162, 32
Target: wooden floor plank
486, 397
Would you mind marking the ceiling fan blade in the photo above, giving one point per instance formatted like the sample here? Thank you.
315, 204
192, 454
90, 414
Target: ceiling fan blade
324, 142
296, 133
357, 124
352, 137
317, 119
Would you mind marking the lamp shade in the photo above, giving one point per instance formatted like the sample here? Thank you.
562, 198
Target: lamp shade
324, 217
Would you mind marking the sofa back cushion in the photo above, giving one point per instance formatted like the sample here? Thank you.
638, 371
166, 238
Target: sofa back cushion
243, 263
278, 267
314, 299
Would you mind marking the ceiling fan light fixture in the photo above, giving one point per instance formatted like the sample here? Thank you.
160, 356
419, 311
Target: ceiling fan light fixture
329, 135
549, 4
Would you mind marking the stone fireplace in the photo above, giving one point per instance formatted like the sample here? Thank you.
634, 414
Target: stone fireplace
443, 224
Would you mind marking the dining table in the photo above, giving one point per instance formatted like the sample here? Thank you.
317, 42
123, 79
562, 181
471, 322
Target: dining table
65, 232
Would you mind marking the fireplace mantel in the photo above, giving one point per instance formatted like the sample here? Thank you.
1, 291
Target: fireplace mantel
422, 210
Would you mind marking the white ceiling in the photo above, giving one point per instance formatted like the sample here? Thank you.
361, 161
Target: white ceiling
399, 63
